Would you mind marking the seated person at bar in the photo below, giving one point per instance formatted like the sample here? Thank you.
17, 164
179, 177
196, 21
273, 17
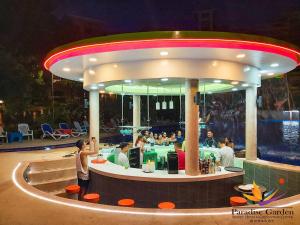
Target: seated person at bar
122, 157
172, 138
140, 143
180, 154
229, 142
146, 136
225, 154
165, 139
210, 141
159, 140
155, 136
151, 139
179, 137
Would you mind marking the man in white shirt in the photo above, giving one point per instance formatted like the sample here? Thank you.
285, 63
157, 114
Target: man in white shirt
225, 154
122, 157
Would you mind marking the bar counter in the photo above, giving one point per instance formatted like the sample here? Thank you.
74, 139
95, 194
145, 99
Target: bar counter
115, 171
114, 182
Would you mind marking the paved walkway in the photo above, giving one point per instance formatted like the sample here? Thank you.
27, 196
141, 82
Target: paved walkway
18, 208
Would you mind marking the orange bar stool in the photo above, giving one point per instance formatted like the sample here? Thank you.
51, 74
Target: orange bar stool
166, 205
92, 197
126, 202
237, 201
72, 191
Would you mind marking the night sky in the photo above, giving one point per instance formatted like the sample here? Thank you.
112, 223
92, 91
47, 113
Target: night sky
133, 15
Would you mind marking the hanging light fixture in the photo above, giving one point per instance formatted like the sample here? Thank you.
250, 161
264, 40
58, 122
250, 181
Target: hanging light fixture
164, 104
157, 104
171, 104
122, 119
148, 114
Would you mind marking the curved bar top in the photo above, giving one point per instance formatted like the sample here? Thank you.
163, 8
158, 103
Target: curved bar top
115, 171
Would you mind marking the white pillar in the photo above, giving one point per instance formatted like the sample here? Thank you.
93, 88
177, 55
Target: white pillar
136, 115
191, 128
94, 116
251, 123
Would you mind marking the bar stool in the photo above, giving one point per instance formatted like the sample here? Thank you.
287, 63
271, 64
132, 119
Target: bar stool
166, 205
92, 197
237, 201
126, 202
72, 191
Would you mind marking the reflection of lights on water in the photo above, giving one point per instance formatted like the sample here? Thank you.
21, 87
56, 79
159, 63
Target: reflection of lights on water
290, 131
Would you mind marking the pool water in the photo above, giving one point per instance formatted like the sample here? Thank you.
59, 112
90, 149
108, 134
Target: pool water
277, 140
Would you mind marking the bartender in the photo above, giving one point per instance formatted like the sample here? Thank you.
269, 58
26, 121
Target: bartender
210, 140
122, 157
225, 156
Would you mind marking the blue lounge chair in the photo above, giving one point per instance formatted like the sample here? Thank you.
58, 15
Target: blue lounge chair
49, 132
3, 134
78, 128
65, 126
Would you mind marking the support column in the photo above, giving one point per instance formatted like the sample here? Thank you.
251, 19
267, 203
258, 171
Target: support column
136, 115
191, 129
251, 123
94, 116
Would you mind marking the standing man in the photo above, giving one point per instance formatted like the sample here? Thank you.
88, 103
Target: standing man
122, 157
210, 140
226, 154
180, 154
82, 164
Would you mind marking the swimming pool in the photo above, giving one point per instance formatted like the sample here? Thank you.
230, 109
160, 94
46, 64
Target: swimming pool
277, 140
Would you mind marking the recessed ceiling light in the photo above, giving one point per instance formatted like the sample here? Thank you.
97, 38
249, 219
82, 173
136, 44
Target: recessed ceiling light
164, 53
92, 72
80, 79
214, 63
270, 74
246, 69
245, 85
234, 82
115, 66
127, 81
101, 85
239, 56
94, 87
217, 81
93, 59
110, 93
102, 92
234, 89
164, 79
66, 69
1, 101
274, 65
